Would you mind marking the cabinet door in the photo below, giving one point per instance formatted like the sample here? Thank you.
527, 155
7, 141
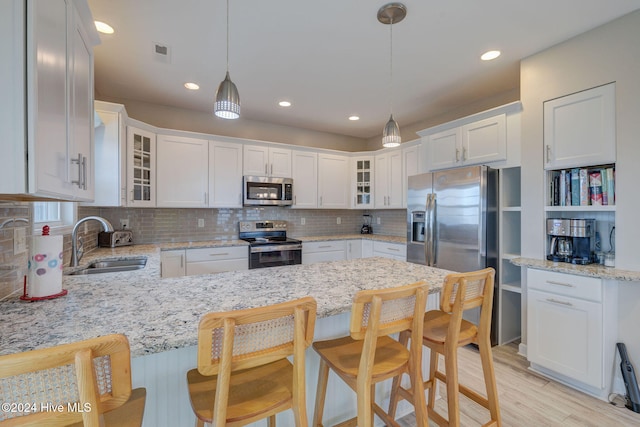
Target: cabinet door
141, 168
362, 184
333, 181
485, 140
182, 172
579, 129
81, 112
381, 181
354, 249
565, 335
444, 149
280, 162
47, 59
305, 179
172, 263
395, 178
110, 170
410, 166
255, 160
225, 175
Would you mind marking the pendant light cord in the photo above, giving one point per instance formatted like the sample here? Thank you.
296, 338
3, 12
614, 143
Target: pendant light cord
227, 36
391, 65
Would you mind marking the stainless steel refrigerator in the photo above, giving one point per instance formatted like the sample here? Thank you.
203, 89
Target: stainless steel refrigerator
452, 223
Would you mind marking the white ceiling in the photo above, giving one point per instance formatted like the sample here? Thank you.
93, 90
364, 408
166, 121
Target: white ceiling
331, 58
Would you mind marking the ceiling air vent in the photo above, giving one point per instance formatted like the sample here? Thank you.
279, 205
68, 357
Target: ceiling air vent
162, 52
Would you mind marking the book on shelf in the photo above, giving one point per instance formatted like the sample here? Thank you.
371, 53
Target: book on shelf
589, 186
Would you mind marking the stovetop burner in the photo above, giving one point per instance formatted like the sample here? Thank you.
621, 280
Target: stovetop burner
264, 233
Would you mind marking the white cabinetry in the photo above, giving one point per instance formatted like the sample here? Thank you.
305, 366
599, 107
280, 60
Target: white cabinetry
411, 165
172, 263
217, 260
333, 181
571, 328
390, 250
305, 179
388, 180
141, 167
580, 129
333, 250
267, 161
46, 111
367, 248
354, 249
225, 174
110, 153
509, 275
182, 166
362, 182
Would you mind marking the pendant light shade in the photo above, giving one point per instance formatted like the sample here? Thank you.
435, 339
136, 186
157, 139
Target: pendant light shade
391, 134
227, 100
227, 104
390, 14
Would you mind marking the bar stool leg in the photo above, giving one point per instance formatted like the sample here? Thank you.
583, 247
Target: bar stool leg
394, 397
271, 422
490, 380
453, 398
433, 367
323, 378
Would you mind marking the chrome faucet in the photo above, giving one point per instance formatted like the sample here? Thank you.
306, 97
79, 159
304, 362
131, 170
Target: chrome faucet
78, 251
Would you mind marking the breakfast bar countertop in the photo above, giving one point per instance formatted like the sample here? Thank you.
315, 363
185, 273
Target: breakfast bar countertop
160, 314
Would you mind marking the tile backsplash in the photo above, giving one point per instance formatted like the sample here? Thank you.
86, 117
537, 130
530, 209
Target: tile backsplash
13, 267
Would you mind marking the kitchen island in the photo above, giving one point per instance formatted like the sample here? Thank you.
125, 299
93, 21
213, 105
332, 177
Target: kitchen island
160, 316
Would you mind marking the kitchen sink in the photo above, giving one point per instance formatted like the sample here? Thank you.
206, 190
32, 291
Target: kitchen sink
113, 266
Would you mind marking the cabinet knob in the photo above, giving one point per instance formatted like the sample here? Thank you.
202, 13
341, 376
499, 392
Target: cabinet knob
548, 153
457, 154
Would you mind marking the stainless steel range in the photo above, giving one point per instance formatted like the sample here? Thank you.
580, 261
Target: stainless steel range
269, 245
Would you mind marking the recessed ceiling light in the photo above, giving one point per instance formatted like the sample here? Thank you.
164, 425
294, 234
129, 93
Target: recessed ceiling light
488, 56
103, 28
191, 86
354, 118
284, 104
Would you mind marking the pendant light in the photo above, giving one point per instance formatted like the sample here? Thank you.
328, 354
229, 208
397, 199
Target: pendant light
227, 104
390, 14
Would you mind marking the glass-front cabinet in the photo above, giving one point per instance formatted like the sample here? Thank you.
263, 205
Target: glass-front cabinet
141, 167
363, 184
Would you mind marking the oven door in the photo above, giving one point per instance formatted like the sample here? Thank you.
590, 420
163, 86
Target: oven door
275, 255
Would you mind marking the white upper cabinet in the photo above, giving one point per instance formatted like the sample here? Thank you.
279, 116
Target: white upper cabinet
491, 137
333, 181
411, 165
267, 161
182, 166
225, 174
305, 179
141, 167
388, 180
47, 142
579, 129
362, 182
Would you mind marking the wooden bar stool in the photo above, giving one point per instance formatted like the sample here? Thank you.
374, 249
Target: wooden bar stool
86, 383
445, 330
370, 355
243, 373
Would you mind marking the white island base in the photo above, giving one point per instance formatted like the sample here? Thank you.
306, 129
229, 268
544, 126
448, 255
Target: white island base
164, 377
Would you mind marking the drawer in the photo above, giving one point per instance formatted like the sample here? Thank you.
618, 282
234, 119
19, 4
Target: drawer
218, 253
324, 246
588, 288
210, 267
395, 249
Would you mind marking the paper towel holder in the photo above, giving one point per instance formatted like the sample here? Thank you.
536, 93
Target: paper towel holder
26, 297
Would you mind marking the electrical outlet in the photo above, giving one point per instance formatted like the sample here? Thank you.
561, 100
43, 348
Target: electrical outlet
338, 220
124, 223
303, 221
19, 240
378, 220
200, 222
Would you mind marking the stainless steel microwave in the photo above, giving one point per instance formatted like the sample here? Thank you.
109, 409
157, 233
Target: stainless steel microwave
267, 191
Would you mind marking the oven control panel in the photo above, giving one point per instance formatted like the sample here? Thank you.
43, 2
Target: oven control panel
247, 226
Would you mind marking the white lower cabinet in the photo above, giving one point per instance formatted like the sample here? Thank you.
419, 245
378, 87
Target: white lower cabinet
172, 263
217, 260
390, 250
571, 329
333, 250
354, 249
367, 248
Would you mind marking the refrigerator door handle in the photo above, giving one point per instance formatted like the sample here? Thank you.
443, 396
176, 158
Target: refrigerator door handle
434, 228
427, 230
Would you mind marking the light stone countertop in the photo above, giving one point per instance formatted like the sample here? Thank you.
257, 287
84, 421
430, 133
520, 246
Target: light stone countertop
376, 237
591, 270
160, 314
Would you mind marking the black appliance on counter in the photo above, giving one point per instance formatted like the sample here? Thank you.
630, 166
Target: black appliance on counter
269, 245
115, 239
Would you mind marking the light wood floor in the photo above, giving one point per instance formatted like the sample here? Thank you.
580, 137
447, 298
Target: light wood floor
527, 399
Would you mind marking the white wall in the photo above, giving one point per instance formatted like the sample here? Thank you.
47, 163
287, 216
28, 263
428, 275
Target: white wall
606, 54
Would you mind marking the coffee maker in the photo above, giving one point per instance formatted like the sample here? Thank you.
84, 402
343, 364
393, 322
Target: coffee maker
571, 240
